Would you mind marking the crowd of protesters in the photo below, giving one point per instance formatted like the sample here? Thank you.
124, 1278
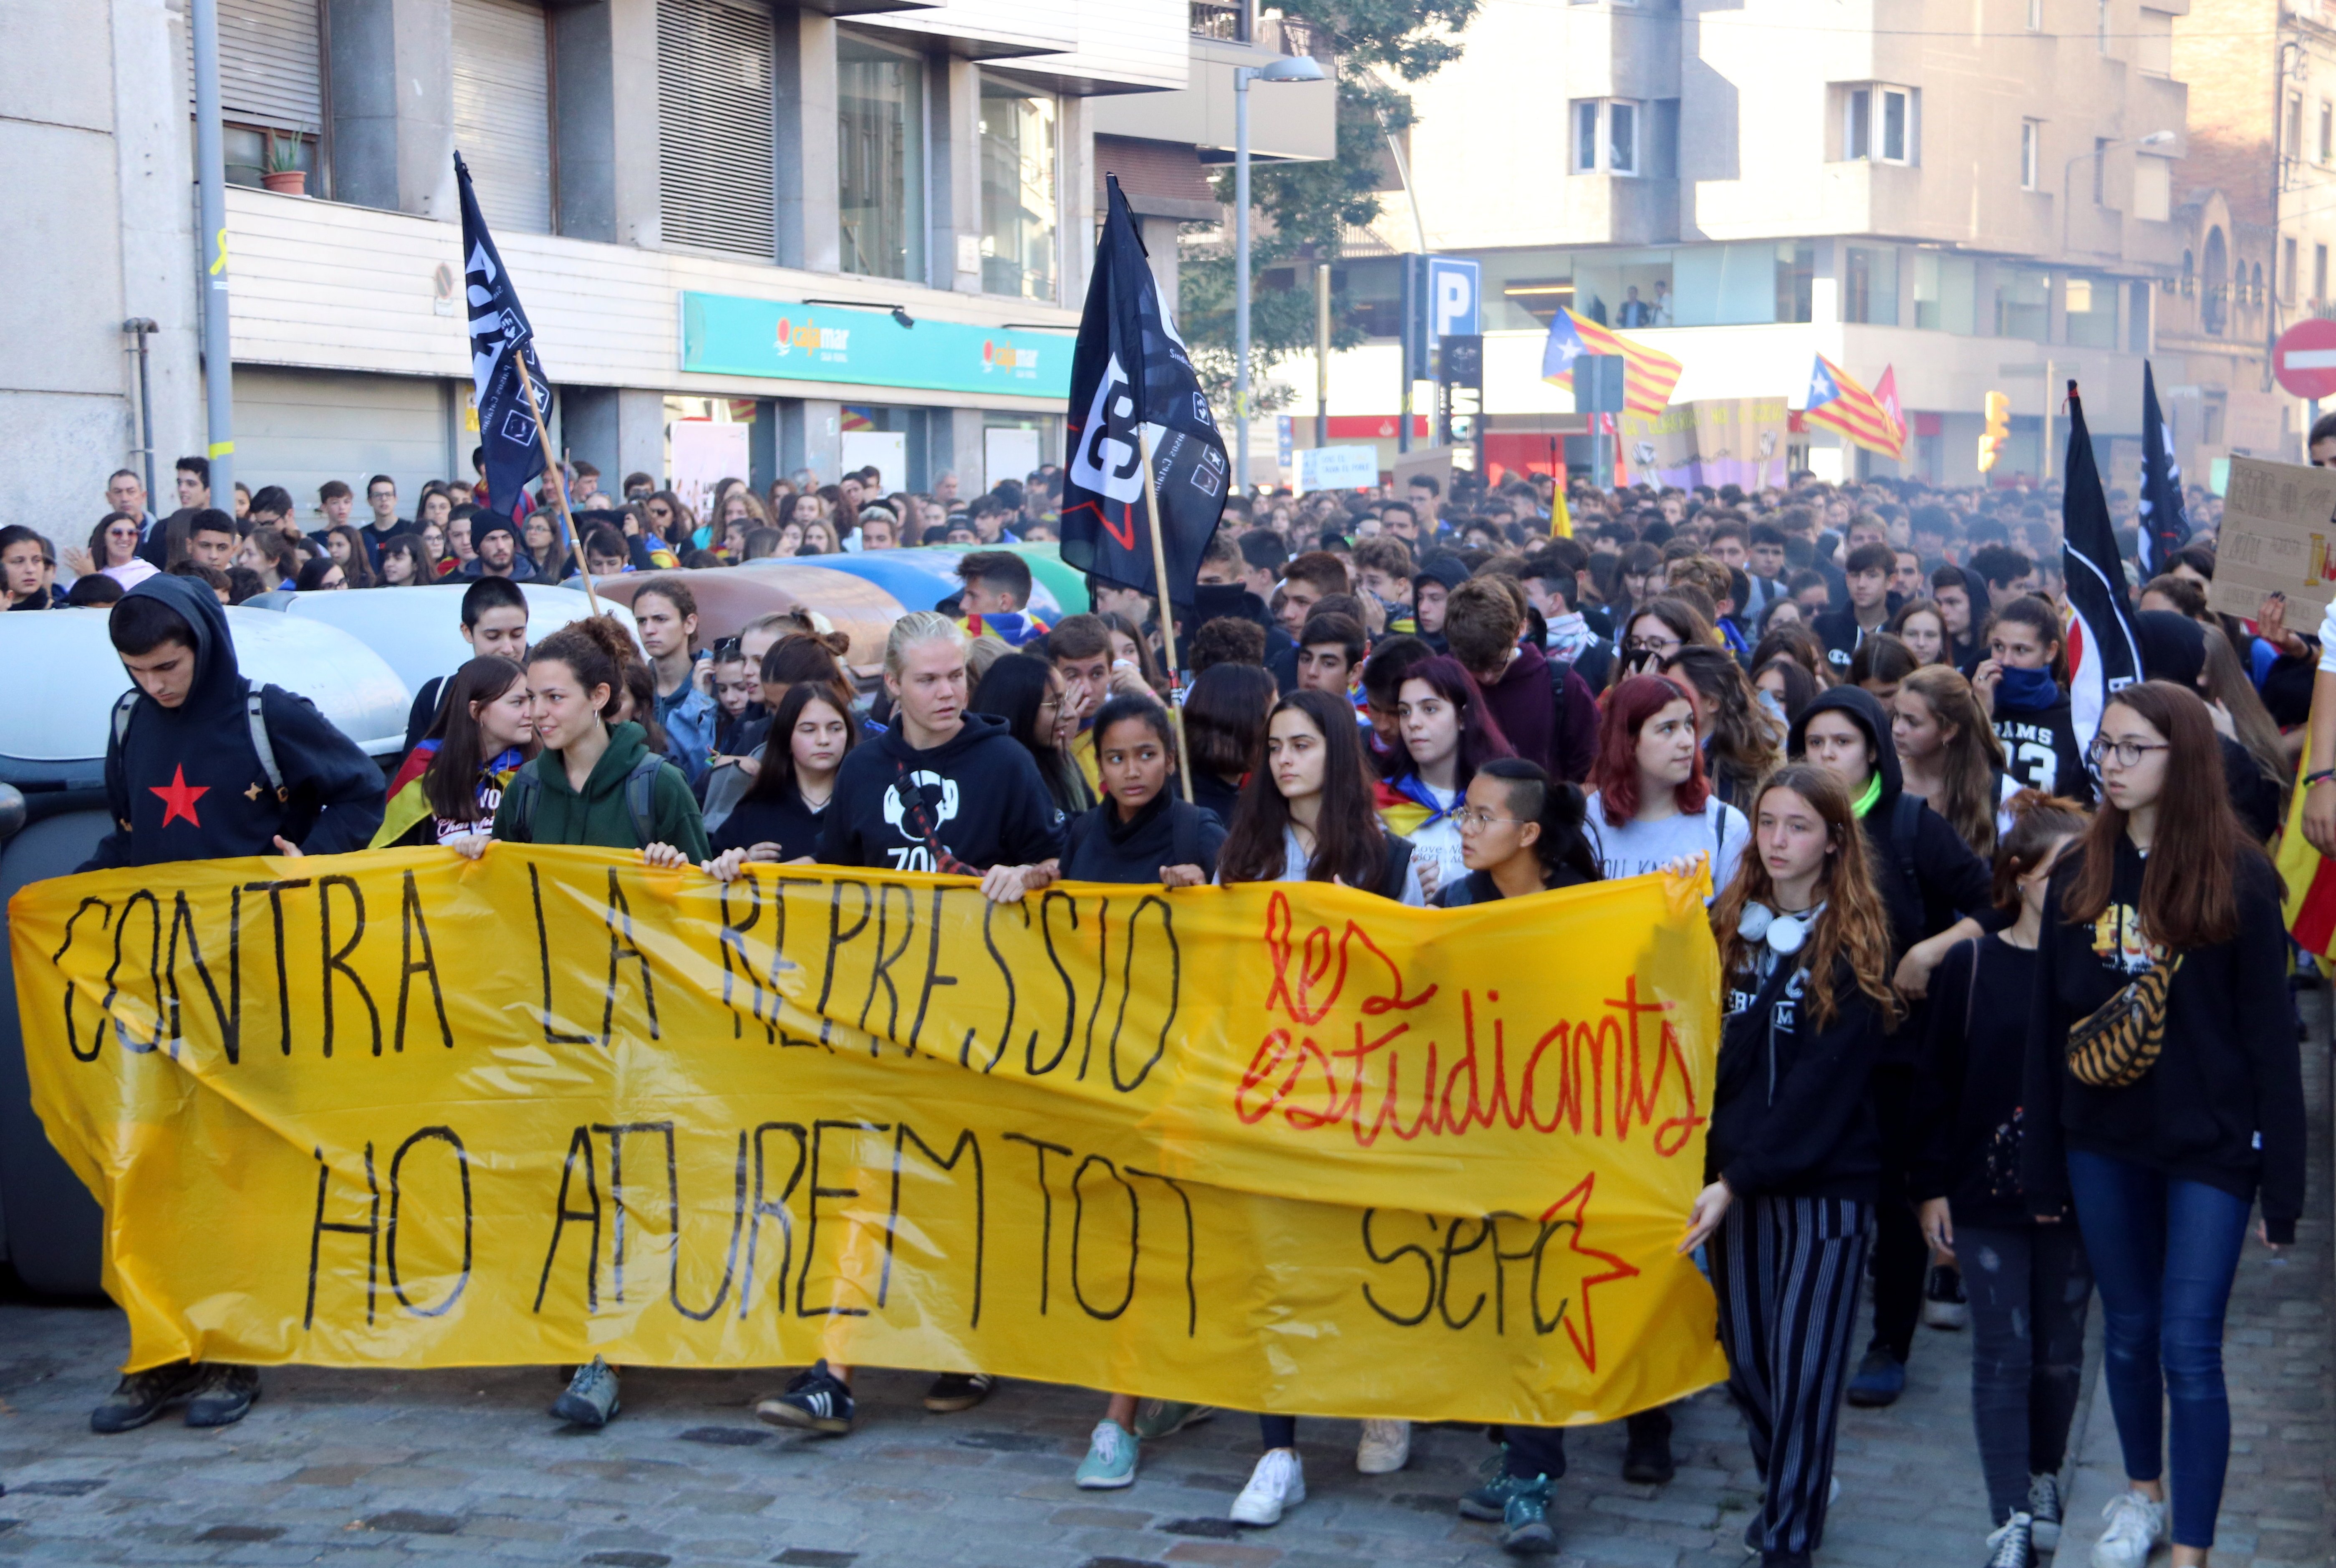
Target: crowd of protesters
1846, 705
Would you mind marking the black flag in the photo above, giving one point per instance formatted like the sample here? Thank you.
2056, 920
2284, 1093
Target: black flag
2104, 655
501, 341
1130, 373
2165, 525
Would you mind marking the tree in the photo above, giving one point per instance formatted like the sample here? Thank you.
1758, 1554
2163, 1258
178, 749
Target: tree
1301, 211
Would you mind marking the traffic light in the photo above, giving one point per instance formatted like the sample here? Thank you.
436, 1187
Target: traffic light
1998, 430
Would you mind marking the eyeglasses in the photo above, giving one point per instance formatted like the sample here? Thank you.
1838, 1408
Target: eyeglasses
2128, 752
1639, 644
1470, 819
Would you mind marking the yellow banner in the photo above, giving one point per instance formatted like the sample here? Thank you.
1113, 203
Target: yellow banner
1280, 1147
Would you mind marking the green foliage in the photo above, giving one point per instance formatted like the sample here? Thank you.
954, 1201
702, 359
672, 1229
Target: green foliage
1301, 211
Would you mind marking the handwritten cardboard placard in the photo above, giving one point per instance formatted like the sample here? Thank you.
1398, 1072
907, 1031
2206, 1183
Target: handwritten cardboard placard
2277, 536
1276, 1147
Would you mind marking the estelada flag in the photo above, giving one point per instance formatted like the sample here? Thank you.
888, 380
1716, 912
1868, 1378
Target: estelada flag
1885, 393
1131, 379
1838, 403
1648, 374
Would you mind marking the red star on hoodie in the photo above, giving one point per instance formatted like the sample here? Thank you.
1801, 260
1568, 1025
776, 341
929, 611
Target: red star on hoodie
179, 799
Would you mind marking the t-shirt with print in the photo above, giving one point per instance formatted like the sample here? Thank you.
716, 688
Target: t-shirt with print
1649, 844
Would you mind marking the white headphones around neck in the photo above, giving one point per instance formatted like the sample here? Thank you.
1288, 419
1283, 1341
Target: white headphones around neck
1785, 934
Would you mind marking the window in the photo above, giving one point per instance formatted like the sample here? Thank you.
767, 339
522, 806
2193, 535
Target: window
271, 81
2031, 137
1796, 272
1219, 20
2036, 15
2152, 187
2293, 146
1946, 293
1617, 150
2090, 304
2100, 169
714, 127
881, 159
2101, 25
2023, 303
2327, 131
1018, 191
1877, 123
2319, 275
2153, 52
2287, 271
1869, 291
502, 109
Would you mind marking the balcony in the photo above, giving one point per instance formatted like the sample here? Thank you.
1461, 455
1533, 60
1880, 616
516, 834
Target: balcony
1289, 121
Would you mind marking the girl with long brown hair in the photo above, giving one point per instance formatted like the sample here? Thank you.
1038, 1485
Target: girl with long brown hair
2163, 1154
1794, 1151
1741, 739
1947, 754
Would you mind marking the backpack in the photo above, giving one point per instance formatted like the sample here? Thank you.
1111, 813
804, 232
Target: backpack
1397, 867
254, 717
640, 800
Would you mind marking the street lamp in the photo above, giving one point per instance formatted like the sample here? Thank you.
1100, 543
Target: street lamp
2154, 139
1288, 68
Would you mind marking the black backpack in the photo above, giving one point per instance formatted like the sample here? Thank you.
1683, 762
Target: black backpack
640, 800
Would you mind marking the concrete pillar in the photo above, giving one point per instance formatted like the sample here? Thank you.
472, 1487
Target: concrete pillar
810, 233
1075, 193
618, 430
811, 435
393, 104
1160, 246
954, 178
763, 445
604, 59
953, 445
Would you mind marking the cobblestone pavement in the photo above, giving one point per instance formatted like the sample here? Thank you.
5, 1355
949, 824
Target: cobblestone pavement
380, 1468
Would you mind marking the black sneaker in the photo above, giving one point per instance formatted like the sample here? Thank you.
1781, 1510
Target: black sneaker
222, 1396
1881, 1379
2044, 1513
591, 1400
1647, 1452
816, 1401
141, 1396
2011, 1546
955, 1391
1944, 1305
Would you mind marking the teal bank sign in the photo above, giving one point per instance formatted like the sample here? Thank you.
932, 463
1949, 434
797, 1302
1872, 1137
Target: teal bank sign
727, 335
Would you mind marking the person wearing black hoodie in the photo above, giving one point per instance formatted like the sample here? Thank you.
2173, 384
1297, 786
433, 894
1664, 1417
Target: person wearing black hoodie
2174, 648
1794, 1154
1936, 893
2163, 1156
201, 764
947, 791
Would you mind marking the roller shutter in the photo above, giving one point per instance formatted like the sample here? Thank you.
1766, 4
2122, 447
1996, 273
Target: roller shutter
502, 110
271, 69
714, 136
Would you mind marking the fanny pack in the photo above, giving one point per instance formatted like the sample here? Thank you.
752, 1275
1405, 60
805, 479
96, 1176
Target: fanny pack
2118, 1041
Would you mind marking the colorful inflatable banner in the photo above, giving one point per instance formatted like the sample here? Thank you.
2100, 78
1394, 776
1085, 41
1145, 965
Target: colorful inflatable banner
1276, 1147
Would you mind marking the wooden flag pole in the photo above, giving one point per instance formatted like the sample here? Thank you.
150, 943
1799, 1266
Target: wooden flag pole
560, 488
1167, 615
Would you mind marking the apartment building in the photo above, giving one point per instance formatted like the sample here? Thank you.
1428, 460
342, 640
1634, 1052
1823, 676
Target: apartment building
855, 227
1977, 193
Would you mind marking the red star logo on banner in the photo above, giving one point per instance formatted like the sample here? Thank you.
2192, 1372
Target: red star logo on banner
1573, 1210
179, 799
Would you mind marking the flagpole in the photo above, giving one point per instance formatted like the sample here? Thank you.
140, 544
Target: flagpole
1167, 615
559, 488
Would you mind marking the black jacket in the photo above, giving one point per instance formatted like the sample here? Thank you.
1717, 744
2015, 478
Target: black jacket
2039, 749
1839, 631
185, 784
1948, 879
1972, 1123
2224, 1104
1790, 1112
974, 801
1166, 832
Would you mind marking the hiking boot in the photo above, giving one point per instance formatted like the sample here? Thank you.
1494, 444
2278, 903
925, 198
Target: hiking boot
223, 1395
816, 1401
1944, 1305
955, 1391
1157, 1419
2044, 1514
1647, 1449
1525, 1529
591, 1397
141, 1396
1881, 1379
1110, 1463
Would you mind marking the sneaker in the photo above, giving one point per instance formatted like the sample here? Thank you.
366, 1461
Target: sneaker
955, 1391
591, 1397
1944, 1303
816, 1401
1881, 1379
1157, 1419
141, 1396
1385, 1449
2044, 1512
1278, 1482
1525, 1529
1646, 1450
223, 1395
2011, 1545
1489, 1498
2136, 1525
1110, 1463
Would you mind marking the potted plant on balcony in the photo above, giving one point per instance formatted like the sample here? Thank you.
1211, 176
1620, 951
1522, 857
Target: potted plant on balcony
280, 168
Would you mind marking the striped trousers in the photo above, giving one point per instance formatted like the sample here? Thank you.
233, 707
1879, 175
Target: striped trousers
1786, 1271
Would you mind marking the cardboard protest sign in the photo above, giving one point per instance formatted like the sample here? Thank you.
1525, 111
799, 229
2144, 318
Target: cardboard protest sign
1275, 1148
2276, 536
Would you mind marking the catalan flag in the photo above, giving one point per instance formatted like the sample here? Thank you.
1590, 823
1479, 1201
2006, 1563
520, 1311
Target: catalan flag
1837, 402
1648, 376
1885, 392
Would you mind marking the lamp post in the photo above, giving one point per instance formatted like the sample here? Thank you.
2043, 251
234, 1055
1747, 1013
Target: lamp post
1288, 68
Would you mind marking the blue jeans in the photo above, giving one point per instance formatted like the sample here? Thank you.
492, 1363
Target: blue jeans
2164, 1253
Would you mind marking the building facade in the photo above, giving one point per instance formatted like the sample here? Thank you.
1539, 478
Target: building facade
1979, 194
859, 228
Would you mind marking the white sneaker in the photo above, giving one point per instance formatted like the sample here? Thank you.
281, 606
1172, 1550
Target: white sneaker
1278, 1482
2136, 1525
1385, 1449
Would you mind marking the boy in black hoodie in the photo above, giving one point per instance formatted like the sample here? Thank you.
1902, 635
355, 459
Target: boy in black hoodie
1937, 893
201, 764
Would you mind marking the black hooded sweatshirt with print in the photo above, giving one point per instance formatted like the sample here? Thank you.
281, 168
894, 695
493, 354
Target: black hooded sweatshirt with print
973, 801
185, 784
